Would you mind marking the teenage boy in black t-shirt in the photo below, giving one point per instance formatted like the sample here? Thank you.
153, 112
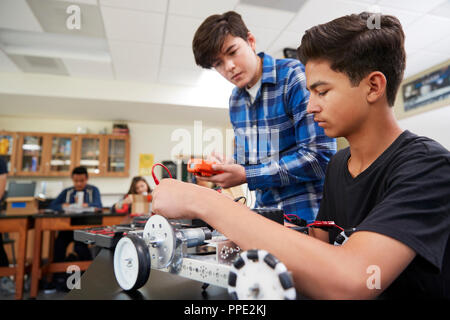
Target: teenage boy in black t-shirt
390, 187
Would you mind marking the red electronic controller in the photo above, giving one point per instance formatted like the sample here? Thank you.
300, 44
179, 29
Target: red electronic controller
200, 167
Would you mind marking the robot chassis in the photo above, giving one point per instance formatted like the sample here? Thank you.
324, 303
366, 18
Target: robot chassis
163, 245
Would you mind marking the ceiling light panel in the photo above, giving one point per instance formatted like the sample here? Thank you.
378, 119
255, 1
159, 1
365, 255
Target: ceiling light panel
53, 45
32, 64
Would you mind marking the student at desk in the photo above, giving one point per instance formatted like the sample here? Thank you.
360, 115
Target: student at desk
64, 200
139, 186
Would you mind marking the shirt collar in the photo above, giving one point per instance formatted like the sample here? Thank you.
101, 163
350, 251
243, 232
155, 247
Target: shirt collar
269, 70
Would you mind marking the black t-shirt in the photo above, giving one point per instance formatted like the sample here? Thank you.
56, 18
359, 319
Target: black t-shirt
403, 194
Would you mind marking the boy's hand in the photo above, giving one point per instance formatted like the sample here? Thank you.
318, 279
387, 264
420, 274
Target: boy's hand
174, 199
219, 158
233, 175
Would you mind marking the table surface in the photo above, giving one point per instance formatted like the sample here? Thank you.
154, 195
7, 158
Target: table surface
99, 283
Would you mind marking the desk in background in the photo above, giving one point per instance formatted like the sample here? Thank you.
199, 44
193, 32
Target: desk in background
62, 222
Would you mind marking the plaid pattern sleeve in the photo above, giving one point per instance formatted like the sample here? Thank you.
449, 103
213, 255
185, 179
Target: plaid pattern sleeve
284, 152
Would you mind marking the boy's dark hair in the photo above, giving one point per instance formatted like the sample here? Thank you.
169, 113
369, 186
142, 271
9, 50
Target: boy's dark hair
355, 49
209, 37
80, 170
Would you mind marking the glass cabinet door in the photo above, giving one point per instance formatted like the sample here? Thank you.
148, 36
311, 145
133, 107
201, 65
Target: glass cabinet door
31, 154
61, 155
7, 150
90, 154
116, 161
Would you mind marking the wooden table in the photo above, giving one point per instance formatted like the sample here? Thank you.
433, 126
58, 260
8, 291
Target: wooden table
20, 224
63, 222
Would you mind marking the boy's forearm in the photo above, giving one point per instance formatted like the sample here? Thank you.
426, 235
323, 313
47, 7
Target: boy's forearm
320, 270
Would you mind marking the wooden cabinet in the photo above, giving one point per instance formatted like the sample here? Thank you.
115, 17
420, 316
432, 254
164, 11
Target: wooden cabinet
54, 154
30, 154
8, 150
104, 155
90, 153
117, 155
60, 158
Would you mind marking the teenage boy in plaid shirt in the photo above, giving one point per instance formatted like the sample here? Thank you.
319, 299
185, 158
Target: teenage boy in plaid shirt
281, 153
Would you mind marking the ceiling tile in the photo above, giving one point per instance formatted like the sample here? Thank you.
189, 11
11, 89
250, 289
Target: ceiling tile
200, 8
442, 46
264, 17
178, 57
179, 76
16, 14
426, 31
135, 61
442, 10
131, 25
406, 17
142, 5
6, 65
412, 5
88, 69
264, 37
313, 13
180, 30
286, 40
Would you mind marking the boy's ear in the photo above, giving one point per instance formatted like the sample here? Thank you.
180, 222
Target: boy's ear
251, 40
376, 82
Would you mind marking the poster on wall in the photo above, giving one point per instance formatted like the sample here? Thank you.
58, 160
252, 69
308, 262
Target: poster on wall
425, 90
145, 164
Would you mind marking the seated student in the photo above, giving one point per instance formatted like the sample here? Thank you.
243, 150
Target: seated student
138, 186
65, 199
391, 185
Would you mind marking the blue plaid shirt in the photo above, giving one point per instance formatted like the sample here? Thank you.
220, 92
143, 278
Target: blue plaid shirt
284, 152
